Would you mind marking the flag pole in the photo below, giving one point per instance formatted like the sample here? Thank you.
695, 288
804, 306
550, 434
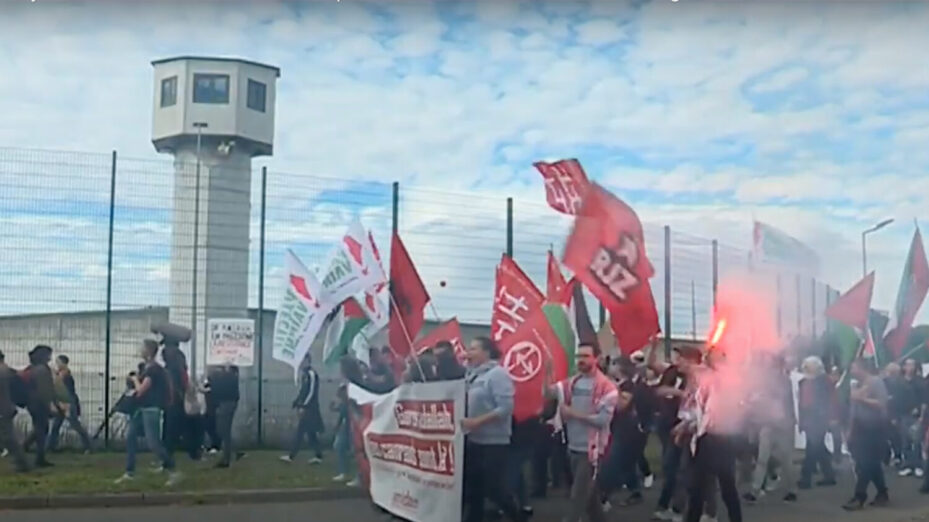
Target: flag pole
406, 334
858, 355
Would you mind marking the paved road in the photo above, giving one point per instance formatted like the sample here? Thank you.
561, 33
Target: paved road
815, 506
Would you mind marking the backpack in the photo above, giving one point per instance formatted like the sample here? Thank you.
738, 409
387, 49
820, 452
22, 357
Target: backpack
19, 388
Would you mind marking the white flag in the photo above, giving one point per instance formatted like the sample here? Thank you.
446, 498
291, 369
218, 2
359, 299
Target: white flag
352, 267
303, 309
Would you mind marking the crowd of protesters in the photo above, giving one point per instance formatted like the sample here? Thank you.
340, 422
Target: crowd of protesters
591, 436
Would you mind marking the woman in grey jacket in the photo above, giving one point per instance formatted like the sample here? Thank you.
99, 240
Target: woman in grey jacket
487, 428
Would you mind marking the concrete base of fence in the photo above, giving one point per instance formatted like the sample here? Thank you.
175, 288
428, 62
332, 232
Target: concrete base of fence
168, 499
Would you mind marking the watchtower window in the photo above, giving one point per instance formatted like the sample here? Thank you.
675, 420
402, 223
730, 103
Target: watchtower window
211, 88
169, 91
257, 96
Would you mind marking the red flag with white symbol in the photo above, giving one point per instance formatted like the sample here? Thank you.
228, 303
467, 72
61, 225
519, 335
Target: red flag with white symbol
448, 331
606, 252
409, 299
515, 298
525, 354
565, 184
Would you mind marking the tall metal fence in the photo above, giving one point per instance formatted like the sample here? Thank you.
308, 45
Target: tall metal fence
87, 244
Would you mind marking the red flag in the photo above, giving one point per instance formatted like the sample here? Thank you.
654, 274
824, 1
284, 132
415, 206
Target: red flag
565, 184
606, 252
525, 353
914, 285
515, 298
852, 308
408, 299
556, 281
448, 331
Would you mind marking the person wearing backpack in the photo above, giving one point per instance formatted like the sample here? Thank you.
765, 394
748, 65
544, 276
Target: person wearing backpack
9, 382
41, 402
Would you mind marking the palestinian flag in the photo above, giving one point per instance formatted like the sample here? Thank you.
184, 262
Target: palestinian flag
347, 322
570, 321
914, 285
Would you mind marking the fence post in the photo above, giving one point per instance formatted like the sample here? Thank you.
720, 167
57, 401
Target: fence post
261, 304
109, 306
667, 292
799, 305
396, 207
813, 304
715, 270
509, 227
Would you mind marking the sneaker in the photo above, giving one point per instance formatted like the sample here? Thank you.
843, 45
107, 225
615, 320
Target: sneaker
127, 477
287, 459
677, 517
649, 481
528, 511
905, 472
919, 472
4, 453
354, 483
790, 497
750, 498
772, 484
339, 478
315, 460
174, 478
213, 451
664, 516
855, 504
606, 506
880, 500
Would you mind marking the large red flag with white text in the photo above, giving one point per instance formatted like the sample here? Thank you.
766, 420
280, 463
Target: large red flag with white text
515, 298
525, 356
565, 184
606, 252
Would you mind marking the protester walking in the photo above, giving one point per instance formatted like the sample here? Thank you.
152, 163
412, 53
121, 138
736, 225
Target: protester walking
590, 400
816, 414
12, 391
175, 366
776, 433
41, 404
343, 440
620, 466
907, 410
488, 428
72, 413
224, 383
309, 418
868, 437
152, 392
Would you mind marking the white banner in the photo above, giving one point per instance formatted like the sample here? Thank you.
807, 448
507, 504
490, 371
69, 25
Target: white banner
231, 342
414, 448
352, 267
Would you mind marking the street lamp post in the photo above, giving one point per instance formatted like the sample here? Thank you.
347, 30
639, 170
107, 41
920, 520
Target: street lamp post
864, 244
199, 125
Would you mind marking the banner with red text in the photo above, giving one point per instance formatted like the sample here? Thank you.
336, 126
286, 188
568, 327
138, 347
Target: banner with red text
413, 449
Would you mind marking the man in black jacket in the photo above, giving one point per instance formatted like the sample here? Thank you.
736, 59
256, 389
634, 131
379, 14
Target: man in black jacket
41, 404
310, 420
224, 386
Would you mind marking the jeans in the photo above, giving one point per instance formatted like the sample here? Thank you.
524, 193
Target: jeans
714, 458
869, 447
148, 420
516, 473
670, 467
343, 448
621, 466
817, 455
52, 441
225, 414
306, 428
39, 434
777, 442
585, 495
910, 437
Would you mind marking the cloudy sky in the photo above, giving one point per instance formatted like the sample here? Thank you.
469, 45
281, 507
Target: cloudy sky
811, 116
